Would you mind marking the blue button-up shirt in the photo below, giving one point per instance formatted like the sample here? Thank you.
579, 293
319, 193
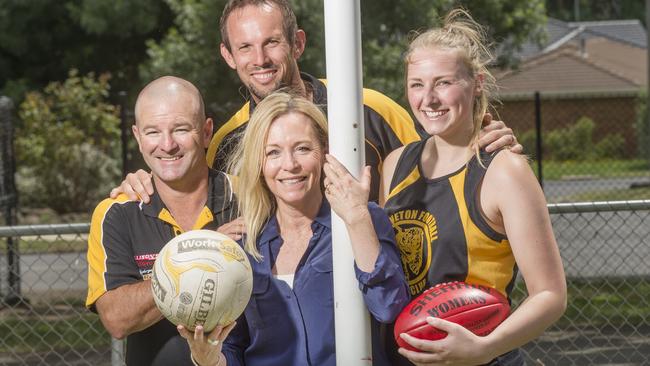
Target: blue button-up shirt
284, 326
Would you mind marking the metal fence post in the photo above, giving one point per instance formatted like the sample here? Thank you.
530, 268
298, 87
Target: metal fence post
117, 352
8, 200
538, 130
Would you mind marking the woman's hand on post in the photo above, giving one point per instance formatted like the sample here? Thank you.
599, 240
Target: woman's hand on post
347, 195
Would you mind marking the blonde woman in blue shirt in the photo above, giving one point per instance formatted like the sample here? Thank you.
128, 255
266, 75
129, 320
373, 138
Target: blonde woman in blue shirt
289, 320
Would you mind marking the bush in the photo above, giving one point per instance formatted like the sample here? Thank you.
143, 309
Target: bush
575, 142
528, 140
67, 148
569, 143
610, 147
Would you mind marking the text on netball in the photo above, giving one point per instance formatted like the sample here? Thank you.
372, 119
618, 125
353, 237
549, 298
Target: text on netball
193, 244
207, 295
158, 291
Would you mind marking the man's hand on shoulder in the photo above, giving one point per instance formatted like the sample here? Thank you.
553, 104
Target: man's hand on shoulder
234, 229
495, 135
137, 186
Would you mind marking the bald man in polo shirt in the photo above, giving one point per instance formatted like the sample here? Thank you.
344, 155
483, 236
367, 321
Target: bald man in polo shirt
126, 235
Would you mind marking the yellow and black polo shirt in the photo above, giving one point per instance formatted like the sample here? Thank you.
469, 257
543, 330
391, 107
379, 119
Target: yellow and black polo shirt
124, 241
387, 127
439, 229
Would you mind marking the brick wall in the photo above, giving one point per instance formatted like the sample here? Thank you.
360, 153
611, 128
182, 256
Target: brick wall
610, 114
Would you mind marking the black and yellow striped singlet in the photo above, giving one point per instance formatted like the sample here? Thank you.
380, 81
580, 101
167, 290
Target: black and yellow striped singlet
439, 229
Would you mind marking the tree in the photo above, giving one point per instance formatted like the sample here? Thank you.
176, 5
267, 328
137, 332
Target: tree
190, 49
67, 147
386, 29
40, 40
596, 9
191, 46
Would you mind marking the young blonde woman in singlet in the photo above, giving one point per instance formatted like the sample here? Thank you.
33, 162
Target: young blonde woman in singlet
462, 214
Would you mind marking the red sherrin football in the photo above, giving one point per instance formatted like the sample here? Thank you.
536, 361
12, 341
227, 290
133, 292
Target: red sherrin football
477, 308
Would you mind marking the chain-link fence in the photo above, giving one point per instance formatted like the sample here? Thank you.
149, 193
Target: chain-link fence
49, 325
604, 246
606, 255
584, 146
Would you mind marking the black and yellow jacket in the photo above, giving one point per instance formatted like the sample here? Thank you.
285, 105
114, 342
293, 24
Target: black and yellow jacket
387, 127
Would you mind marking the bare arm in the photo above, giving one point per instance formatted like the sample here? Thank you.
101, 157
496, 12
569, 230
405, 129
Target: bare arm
495, 135
128, 309
513, 202
349, 199
528, 227
137, 186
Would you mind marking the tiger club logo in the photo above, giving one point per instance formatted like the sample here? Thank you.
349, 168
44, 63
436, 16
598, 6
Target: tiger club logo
415, 233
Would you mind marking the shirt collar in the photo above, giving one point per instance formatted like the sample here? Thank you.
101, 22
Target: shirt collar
271, 230
324, 216
155, 204
220, 196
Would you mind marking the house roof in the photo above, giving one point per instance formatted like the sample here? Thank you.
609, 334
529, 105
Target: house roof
597, 65
559, 33
627, 31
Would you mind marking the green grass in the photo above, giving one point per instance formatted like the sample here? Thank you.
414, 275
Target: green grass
44, 328
602, 302
78, 332
554, 170
67, 324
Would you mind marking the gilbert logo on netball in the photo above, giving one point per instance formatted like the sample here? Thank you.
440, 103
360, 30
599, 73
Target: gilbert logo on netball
415, 231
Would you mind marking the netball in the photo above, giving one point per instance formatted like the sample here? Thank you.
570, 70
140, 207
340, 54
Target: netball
201, 277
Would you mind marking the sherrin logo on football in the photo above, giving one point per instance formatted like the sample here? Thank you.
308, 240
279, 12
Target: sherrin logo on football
201, 277
464, 299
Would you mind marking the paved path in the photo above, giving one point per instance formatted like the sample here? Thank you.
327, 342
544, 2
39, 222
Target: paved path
47, 273
604, 243
559, 190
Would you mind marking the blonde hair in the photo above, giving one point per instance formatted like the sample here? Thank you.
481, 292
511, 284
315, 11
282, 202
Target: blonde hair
462, 34
256, 202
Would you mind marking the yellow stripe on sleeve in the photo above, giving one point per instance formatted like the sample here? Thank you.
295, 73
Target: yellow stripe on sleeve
96, 251
237, 120
397, 118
